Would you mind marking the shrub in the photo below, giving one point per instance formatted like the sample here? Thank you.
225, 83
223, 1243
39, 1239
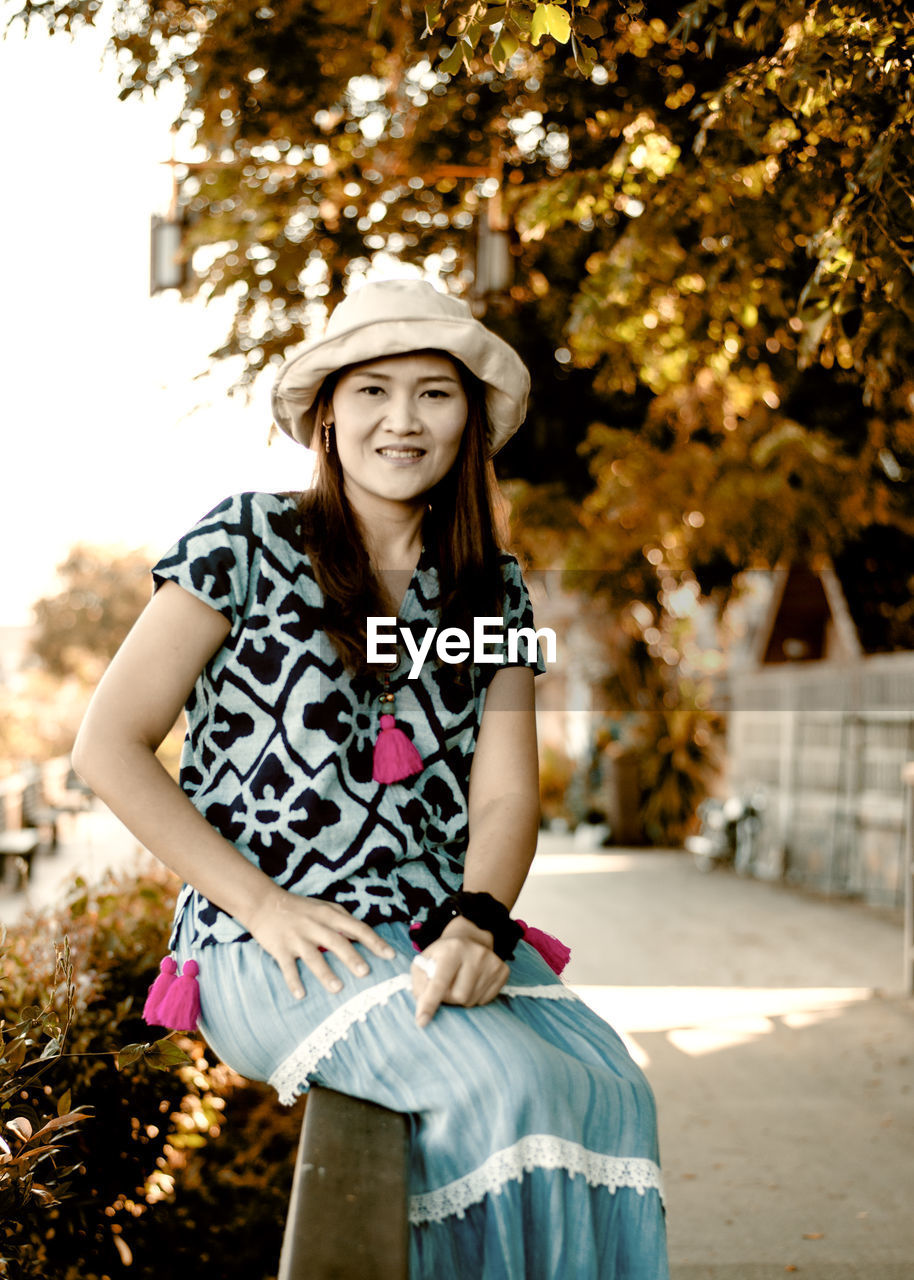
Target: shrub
677, 768
30, 1181
556, 773
131, 1174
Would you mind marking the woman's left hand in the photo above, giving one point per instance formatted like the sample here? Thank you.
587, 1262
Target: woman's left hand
460, 967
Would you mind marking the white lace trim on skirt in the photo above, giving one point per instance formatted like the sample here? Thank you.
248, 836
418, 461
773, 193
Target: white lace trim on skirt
535, 1151
290, 1076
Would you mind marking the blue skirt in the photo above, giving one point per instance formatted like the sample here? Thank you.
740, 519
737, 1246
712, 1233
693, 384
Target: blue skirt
533, 1133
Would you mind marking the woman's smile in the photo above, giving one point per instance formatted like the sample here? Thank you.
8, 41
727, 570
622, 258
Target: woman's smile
401, 455
399, 421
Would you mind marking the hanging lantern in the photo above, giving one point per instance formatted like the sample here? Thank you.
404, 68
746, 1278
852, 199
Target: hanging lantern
167, 267
494, 267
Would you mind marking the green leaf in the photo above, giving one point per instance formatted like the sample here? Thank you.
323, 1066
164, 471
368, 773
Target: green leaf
165, 1054
504, 49
16, 1051
519, 20
129, 1054
63, 1104
455, 59
584, 57
495, 14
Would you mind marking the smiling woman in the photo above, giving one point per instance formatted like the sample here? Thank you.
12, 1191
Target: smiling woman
399, 423
317, 863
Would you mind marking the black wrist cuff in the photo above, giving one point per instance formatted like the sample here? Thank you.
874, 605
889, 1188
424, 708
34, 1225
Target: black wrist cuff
480, 909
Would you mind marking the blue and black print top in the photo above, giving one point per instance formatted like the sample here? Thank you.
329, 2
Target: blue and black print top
280, 737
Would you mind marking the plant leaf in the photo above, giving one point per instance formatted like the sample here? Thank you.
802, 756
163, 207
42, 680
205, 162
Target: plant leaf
60, 1122
588, 27
165, 1054
494, 15
454, 61
21, 1127
504, 49
539, 26
129, 1054
551, 20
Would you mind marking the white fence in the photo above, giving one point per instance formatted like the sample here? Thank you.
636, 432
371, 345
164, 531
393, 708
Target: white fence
828, 744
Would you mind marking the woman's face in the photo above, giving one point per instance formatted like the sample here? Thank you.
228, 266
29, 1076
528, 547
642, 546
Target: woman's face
398, 422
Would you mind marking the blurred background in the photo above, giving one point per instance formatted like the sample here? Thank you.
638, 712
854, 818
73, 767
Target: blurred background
696, 225
696, 229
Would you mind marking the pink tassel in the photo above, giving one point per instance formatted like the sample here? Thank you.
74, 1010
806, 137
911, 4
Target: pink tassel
554, 952
395, 757
180, 1009
158, 990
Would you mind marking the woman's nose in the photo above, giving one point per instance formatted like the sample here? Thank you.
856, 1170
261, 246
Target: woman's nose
403, 416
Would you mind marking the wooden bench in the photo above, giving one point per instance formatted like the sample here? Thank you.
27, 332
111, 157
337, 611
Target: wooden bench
18, 846
348, 1210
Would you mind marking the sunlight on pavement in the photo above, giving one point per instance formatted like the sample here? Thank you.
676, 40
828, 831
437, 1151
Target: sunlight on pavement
93, 843
571, 864
701, 1020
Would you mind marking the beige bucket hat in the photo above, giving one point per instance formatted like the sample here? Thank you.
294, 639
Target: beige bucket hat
393, 317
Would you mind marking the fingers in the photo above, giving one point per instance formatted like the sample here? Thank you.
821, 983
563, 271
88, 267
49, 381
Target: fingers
313, 960
456, 972
498, 980
342, 930
301, 931
291, 976
432, 979
359, 931
304, 928
471, 987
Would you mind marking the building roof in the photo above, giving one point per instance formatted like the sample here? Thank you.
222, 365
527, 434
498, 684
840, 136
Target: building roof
860, 603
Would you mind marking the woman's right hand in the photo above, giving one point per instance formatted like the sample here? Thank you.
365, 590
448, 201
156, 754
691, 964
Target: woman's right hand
293, 928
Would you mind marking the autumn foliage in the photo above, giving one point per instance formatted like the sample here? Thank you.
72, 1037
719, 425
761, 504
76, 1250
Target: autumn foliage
117, 1150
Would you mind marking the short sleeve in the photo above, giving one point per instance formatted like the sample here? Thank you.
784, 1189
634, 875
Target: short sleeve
517, 613
213, 560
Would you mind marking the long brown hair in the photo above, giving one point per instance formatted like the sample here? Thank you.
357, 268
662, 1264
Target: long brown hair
458, 530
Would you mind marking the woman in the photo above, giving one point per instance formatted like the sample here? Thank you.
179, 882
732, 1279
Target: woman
327, 801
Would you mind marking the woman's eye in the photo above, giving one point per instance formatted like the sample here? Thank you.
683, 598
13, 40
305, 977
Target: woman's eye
437, 392
370, 390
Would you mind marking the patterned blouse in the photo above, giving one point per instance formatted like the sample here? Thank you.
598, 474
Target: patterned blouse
280, 737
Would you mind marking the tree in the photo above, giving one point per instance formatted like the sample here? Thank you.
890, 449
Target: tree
711, 216
724, 202
78, 631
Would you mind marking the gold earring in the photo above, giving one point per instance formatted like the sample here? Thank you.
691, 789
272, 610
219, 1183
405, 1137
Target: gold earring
327, 426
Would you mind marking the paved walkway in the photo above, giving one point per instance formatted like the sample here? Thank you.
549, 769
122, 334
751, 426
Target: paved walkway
770, 1024
772, 1028
91, 843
